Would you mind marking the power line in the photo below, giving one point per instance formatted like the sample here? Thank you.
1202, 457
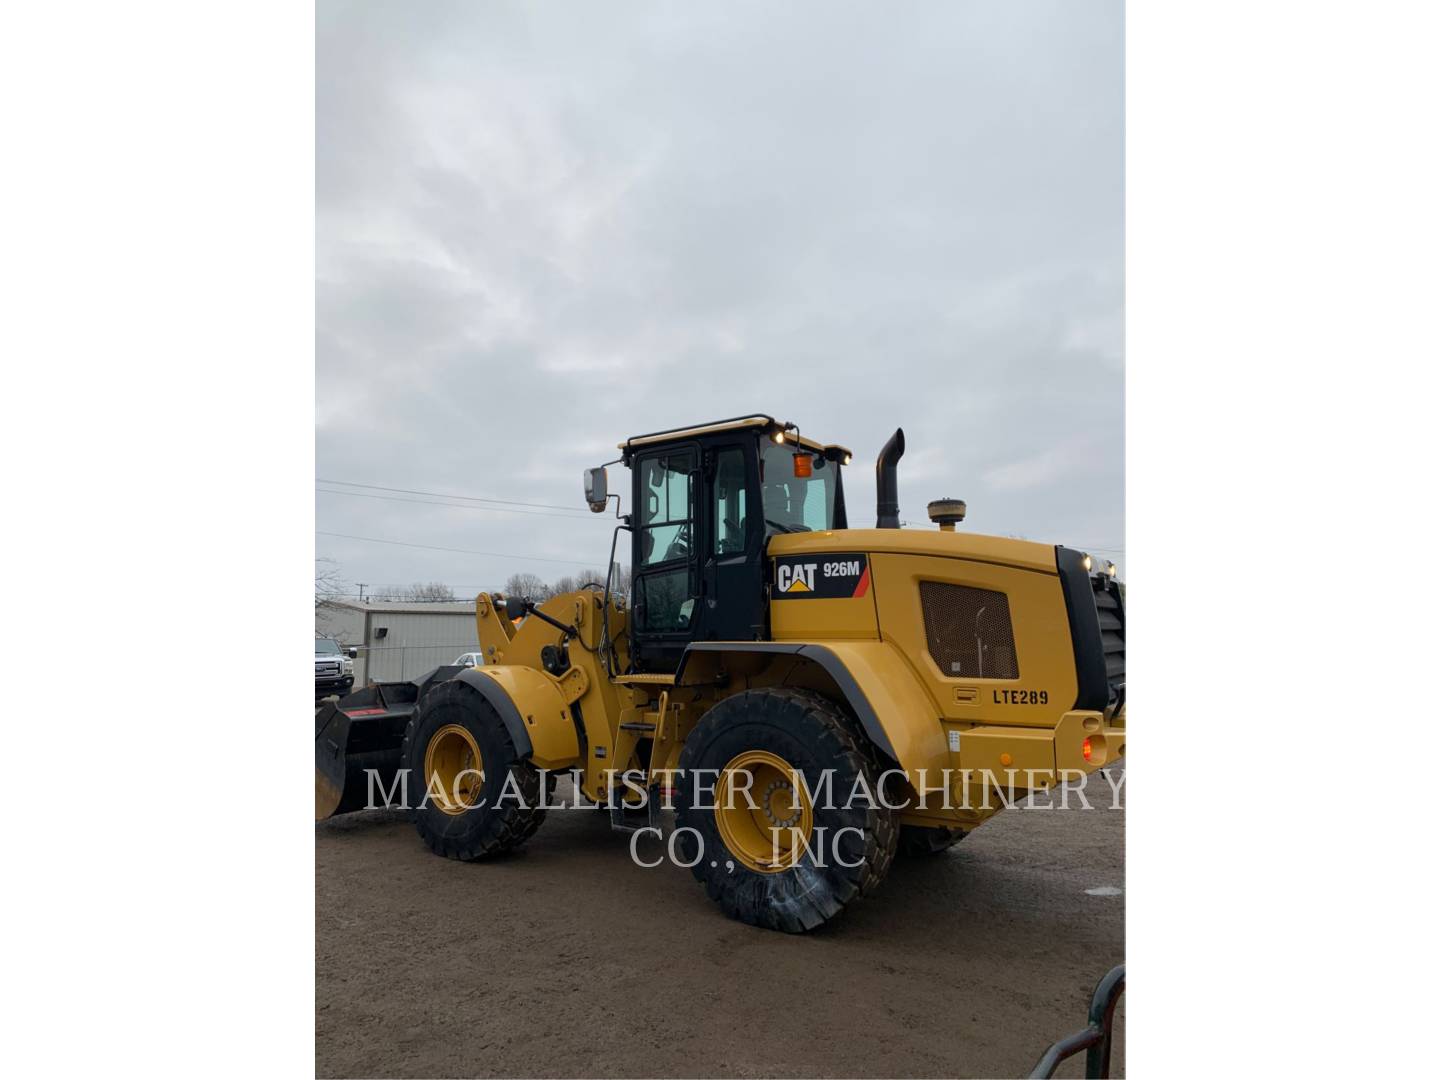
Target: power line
457, 551
447, 495
453, 505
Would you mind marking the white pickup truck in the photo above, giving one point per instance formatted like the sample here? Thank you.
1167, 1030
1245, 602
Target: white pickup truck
334, 668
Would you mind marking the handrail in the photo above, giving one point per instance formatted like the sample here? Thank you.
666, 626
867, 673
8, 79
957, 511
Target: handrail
1097, 1037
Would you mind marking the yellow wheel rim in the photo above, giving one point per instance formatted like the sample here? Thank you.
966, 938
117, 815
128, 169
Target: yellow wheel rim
453, 769
763, 811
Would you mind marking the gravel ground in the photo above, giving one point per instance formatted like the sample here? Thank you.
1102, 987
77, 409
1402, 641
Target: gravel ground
566, 959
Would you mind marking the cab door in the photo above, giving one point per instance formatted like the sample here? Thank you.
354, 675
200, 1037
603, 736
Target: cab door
665, 562
732, 600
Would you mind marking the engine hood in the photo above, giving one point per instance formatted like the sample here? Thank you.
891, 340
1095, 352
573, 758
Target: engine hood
1026, 554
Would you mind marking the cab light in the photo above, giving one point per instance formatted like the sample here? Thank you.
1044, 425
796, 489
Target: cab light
1087, 563
779, 437
1085, 749
803, 465
846, 461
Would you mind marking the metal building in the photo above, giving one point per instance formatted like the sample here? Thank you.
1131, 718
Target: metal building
398, 640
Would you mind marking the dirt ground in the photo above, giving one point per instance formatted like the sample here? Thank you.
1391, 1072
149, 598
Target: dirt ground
567, 959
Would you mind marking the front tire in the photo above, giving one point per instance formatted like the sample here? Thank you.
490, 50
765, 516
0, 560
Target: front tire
476, 797
763, 849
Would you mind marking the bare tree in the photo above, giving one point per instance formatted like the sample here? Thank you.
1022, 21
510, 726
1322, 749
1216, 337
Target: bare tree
532, 587
621, 584
430, 591
328, 586
528, 586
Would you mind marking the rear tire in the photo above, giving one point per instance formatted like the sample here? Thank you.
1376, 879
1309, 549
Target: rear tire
809, 735
920, 840
489, 819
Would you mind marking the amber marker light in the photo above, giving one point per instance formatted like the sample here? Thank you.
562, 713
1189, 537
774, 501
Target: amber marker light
803, 465
1085, 749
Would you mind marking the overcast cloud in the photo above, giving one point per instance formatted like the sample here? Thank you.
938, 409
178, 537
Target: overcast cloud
544, 227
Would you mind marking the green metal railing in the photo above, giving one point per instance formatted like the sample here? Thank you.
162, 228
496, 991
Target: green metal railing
1097, 1037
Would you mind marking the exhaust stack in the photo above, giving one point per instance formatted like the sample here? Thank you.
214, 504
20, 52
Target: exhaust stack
887, 492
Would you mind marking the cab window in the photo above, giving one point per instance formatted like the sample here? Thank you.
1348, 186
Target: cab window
731, 522
794, 503
664, 601
666, 507
663, 604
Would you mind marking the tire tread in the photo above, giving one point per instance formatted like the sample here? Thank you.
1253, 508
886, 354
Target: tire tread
837, 737
505, 827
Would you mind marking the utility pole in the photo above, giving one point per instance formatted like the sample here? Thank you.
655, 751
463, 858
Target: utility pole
362, 590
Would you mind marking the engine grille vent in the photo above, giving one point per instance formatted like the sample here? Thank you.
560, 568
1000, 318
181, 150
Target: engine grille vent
968, 631
1111, 610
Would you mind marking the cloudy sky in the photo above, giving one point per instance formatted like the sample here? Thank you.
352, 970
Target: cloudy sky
544, 227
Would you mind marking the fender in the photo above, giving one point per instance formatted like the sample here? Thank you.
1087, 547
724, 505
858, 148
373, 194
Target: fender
880, 689
533, 708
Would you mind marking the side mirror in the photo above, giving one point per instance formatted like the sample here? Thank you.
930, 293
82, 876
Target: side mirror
352, 653
596, 490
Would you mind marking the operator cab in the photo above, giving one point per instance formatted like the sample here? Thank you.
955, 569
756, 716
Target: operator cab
705, 501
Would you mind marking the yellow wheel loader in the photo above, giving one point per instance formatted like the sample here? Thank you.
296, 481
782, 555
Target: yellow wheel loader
809, 698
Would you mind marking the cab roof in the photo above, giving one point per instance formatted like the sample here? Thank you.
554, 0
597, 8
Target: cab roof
737, 423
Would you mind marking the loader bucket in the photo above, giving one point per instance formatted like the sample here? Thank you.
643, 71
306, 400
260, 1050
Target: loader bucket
360, 736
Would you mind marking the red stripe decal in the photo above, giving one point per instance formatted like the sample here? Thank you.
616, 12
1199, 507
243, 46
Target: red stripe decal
863, 585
